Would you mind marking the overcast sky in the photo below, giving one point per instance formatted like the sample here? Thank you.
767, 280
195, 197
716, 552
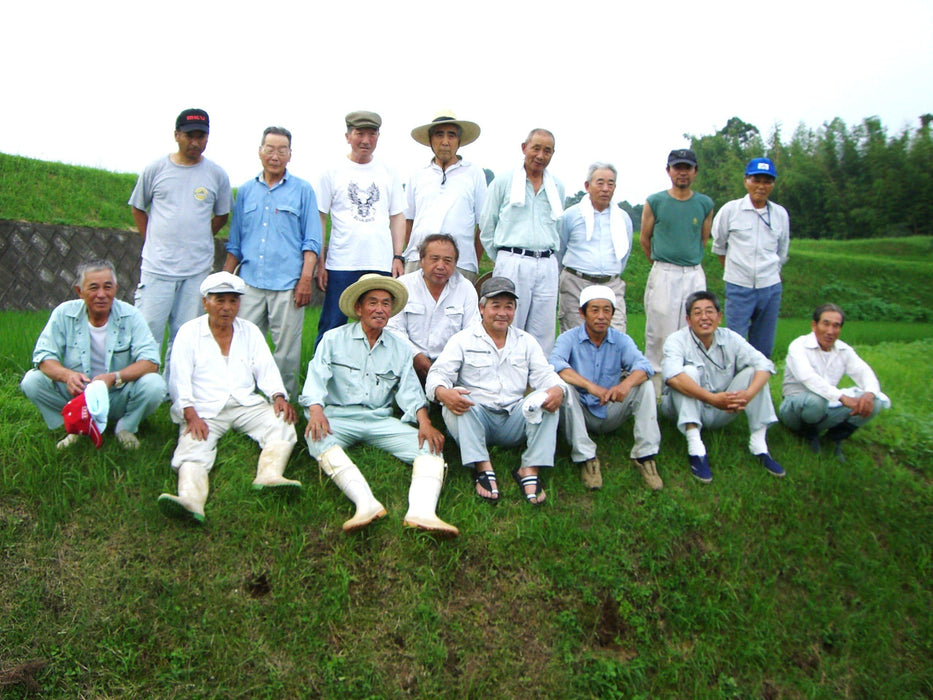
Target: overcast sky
100, 83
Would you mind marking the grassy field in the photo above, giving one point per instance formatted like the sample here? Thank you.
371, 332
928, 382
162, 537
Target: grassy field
816, 585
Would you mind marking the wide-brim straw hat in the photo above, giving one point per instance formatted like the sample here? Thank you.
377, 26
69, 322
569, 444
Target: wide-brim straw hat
469, 130
368, 283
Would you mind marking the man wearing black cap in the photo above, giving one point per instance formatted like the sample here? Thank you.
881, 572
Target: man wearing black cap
180, 201
366, 203
481, 378
675, 226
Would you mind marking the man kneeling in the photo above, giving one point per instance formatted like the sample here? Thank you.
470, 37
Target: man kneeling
812, 402
100, 338
712, 375
357, 371
218, 362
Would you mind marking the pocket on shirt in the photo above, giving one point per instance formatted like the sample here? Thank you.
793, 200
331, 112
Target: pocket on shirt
415, 309
478, 361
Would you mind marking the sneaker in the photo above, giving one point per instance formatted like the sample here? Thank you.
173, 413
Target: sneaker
590, 474
699, 467
127, 440
67, 441
649, 472
767, 461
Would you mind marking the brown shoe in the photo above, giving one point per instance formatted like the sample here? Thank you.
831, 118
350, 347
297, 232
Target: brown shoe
590, 475
649, 472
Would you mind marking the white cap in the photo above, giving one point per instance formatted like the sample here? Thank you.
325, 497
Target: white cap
597, 291
222, 282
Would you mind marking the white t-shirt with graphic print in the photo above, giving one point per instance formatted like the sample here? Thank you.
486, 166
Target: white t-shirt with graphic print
360, 198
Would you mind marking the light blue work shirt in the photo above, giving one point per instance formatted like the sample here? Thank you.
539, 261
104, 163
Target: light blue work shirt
66, 338
350, 379
596, 256
602, 365
728, 354
530, 226
272, 228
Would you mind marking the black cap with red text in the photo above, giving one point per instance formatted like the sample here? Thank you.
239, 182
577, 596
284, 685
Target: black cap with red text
193, 120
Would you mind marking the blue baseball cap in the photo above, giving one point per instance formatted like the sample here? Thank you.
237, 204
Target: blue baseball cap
760, 166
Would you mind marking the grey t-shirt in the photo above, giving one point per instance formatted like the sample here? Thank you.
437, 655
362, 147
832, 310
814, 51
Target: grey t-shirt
181, 200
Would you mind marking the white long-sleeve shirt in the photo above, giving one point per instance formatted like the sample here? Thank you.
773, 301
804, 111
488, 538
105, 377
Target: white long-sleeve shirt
497, 378
203, 378
809, 368
425, 324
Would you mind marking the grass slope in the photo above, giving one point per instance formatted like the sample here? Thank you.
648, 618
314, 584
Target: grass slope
56, 193
816, 585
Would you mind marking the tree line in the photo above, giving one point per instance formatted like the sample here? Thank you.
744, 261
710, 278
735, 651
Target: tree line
835, 181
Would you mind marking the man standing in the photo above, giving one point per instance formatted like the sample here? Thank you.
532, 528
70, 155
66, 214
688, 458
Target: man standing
593, 358
353, 379
440, 302
751, 237
220, 365
275, 238
366, 205
96, 338
446, 196
180, 202
675, 226
520, 230
595, 242
812, 402
481, 377
712, 375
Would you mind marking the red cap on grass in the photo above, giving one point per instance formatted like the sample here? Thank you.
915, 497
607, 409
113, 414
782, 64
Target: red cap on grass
78, 419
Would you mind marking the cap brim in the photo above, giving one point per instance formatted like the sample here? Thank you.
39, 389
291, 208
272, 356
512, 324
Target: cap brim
194, 127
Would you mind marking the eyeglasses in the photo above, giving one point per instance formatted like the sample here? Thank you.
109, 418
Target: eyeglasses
707, 312
281, 150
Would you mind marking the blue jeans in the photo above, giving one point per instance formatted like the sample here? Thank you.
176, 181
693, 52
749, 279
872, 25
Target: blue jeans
753, 314
331, 315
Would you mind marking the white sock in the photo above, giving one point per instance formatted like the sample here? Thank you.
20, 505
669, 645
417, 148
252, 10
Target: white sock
756, 441
695, 446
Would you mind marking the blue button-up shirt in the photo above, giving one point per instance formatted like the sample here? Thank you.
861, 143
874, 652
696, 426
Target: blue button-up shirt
272, 228
66, 338
602, 365
350, 379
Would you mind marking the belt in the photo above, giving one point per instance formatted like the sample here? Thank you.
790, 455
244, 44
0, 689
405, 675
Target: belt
595, 279
530, 253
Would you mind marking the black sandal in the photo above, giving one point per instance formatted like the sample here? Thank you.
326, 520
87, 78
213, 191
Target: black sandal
530, 479
487, 479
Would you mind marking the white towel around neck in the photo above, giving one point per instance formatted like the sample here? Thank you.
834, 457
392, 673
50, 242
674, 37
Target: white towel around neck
617, 228
517, 196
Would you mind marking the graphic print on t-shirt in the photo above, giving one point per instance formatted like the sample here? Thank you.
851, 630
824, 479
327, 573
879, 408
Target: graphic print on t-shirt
363, 200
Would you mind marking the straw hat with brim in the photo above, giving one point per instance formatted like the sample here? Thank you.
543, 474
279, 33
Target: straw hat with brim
368, 283
470, 130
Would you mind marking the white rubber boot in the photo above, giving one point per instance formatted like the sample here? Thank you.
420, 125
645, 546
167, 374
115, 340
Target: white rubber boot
350, 480
192, 494
272, 461
427, 476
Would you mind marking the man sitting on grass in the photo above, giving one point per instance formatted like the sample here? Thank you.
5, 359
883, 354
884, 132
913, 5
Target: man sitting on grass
812, 402
592, 358
92, 338
481, 377
712, 374
358, 371
218, 363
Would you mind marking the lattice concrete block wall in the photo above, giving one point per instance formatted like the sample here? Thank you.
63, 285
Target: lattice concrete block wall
38, 261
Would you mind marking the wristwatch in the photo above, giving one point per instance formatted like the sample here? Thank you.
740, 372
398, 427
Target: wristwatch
117, 381
399, 257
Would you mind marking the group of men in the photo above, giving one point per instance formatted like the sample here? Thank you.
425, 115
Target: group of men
403, 324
